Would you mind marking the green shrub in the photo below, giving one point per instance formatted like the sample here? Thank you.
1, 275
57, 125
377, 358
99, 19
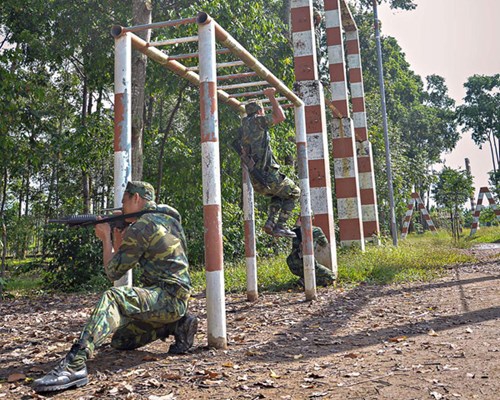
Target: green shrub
76, 259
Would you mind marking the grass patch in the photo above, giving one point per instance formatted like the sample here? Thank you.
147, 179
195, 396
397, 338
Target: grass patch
417, 258
489, 234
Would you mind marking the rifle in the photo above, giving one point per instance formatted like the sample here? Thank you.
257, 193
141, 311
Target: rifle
115, 221
248, 161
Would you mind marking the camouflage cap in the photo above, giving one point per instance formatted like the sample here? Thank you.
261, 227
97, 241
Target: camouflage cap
253, 106
144, 189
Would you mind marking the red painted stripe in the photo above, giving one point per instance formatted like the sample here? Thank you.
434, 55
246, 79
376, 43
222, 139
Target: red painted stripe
367, 196
358, 104
370, 228
249, 238
341, 106
361, 134
355, 75
350, 229
364, 164
119, 116
317, 173
323, 221
342, 147
304, 68
352, 47
208, 107
314, 119
331, 5
337, 72
333, 36
345, 188
301, 19
213, 237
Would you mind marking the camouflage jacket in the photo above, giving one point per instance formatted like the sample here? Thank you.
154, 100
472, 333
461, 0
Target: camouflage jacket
319, 239
156, 243
255, 141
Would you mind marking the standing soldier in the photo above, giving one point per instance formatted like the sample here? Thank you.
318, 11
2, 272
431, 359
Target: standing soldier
134, 317
264, 171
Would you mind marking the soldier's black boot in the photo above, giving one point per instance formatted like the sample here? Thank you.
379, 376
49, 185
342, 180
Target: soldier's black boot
268, 227
184, 334
282, 231
71, 371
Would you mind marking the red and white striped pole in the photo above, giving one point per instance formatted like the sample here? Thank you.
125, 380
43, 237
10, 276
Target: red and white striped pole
344, 147
123, 126
212, 216
407, 220
425, 214
367, 187
305, 204
479, 206
310, 90
249, 224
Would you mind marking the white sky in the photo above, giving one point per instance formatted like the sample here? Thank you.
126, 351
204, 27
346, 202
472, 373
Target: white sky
455, 39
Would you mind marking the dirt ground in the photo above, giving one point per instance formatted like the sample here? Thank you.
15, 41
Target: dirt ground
432, 340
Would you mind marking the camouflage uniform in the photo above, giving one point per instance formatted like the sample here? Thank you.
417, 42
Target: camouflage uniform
255, 143
324, 276
137, 316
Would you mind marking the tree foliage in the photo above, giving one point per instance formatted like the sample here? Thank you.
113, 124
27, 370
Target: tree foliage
56, 116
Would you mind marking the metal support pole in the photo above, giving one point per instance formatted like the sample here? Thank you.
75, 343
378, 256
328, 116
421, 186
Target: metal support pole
250, 248
212, 216
305, 204
388, 167
123, 127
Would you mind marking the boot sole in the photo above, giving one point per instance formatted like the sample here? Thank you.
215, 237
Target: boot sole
77, 383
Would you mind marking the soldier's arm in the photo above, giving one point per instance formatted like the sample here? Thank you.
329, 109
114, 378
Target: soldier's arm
278, 113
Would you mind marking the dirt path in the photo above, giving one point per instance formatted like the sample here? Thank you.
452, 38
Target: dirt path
438, 340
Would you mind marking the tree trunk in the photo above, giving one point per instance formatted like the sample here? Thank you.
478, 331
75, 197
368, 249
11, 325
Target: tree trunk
5, 178
164, 139
141, 14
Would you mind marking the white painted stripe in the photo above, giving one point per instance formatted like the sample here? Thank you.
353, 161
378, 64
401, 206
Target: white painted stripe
336, 54
216, 305
339, 90
206, 45
332, 19
300, 3
251, 264
346, 125
310, 94
122, 174
351, 35
369, 212
348, 208
309, 272
356, 90
406, 224
320, 197
211, 173
366, 180
344, 167
305, 198
248, 197
359, 119
353, 61
300, 125
303, 44
123, 62
316, 146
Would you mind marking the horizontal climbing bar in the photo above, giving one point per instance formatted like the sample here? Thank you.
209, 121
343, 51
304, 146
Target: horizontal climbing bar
196, 55
163, 24
186, 39
236, 76
245, 84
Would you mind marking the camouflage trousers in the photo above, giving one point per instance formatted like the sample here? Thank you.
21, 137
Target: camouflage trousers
134, 316
324, 276
283, 192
